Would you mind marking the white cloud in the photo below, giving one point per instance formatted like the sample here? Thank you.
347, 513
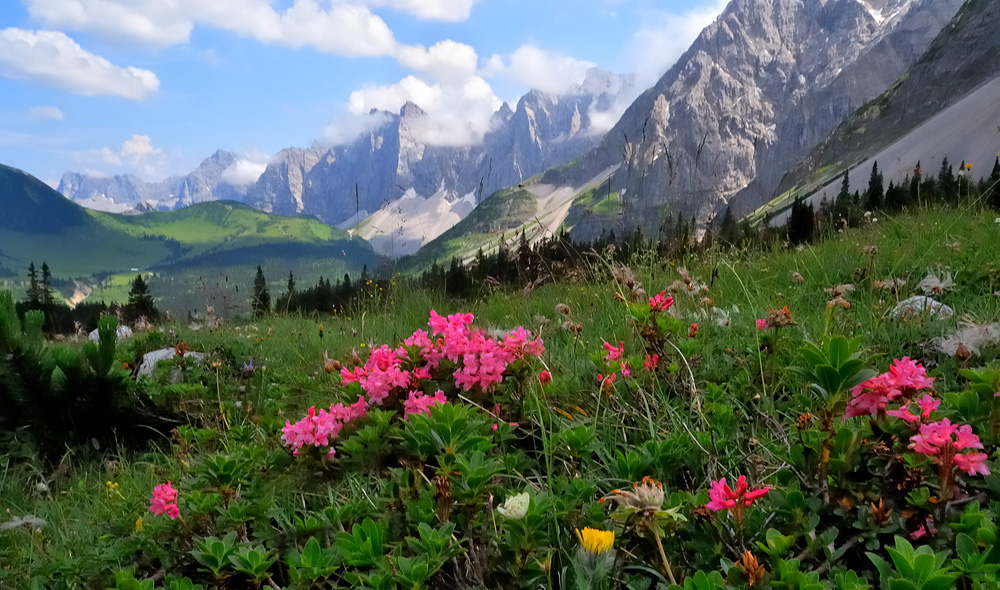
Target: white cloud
445, 10
538, 69
44, 112
343, 28
666, 36
52, 59
457, 112
137, 156
247, 169
447, 60
347, 127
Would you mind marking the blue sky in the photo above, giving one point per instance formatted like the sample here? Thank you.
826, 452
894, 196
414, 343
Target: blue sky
151, 87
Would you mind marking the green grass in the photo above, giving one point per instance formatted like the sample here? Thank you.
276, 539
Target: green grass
739, 415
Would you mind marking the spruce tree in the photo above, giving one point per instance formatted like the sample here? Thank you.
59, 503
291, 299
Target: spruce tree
34, 288
874, 197
915, 184
46, 288
946, 178
993, 196
261, 302
801, 222
140, 300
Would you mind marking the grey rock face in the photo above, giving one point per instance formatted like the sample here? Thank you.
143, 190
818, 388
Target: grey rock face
756, 91
543, 130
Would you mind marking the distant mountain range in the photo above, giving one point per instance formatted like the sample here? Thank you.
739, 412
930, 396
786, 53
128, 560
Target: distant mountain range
391, 168
769, 102
756, 92
118, 194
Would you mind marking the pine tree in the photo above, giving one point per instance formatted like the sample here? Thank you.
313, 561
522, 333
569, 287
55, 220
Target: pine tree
34, 289
801, 224
729, 231
915, 184
261, 302
993, 197
875, 195
140, 300
946, 178
46, 288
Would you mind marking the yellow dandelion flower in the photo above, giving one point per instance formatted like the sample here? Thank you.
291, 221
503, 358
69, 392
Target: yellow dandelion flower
596, 541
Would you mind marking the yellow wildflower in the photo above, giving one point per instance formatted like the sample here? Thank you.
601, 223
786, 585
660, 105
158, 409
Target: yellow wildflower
596, 541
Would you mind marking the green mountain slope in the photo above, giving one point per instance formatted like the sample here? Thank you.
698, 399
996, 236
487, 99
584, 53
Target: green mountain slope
38, 224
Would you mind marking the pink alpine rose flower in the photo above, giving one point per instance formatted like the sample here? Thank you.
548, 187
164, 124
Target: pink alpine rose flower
164, 501
723, 497
661, 302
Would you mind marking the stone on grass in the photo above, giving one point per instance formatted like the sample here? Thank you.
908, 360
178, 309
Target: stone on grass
921, 305
123, 333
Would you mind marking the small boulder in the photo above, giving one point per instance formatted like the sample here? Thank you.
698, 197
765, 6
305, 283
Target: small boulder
151, 359
123, 333
920, 305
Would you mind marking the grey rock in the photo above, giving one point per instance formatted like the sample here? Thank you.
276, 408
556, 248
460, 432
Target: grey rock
151, 359
921, 305
123, 333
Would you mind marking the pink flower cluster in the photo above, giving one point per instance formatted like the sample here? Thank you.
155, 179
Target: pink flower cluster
419, 403
941, 440
614, 353
451, 349
903, 380
479, 361
927, 404
723, 497
318, 428
661, 302
164, 501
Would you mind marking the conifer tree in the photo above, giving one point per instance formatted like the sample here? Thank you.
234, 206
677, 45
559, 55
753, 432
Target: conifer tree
46, 287
801, 222
874, 197
261, 302
993, 197
34, 288
140, 300
946, 178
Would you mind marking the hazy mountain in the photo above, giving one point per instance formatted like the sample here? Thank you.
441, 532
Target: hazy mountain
121, 193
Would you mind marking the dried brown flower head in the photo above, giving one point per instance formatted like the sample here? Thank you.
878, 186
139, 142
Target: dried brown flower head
751, 570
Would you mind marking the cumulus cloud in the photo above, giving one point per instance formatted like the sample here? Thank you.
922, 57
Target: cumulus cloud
53, 59
447, 60
539, 69
246, 169
137, 155
457, 113
444, 10
666, 36
44, 112
346, 28
346, 127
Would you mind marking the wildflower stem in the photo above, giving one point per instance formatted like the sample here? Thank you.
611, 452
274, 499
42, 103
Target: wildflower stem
663, 556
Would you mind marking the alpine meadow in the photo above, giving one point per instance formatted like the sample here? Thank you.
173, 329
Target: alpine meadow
612, 296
